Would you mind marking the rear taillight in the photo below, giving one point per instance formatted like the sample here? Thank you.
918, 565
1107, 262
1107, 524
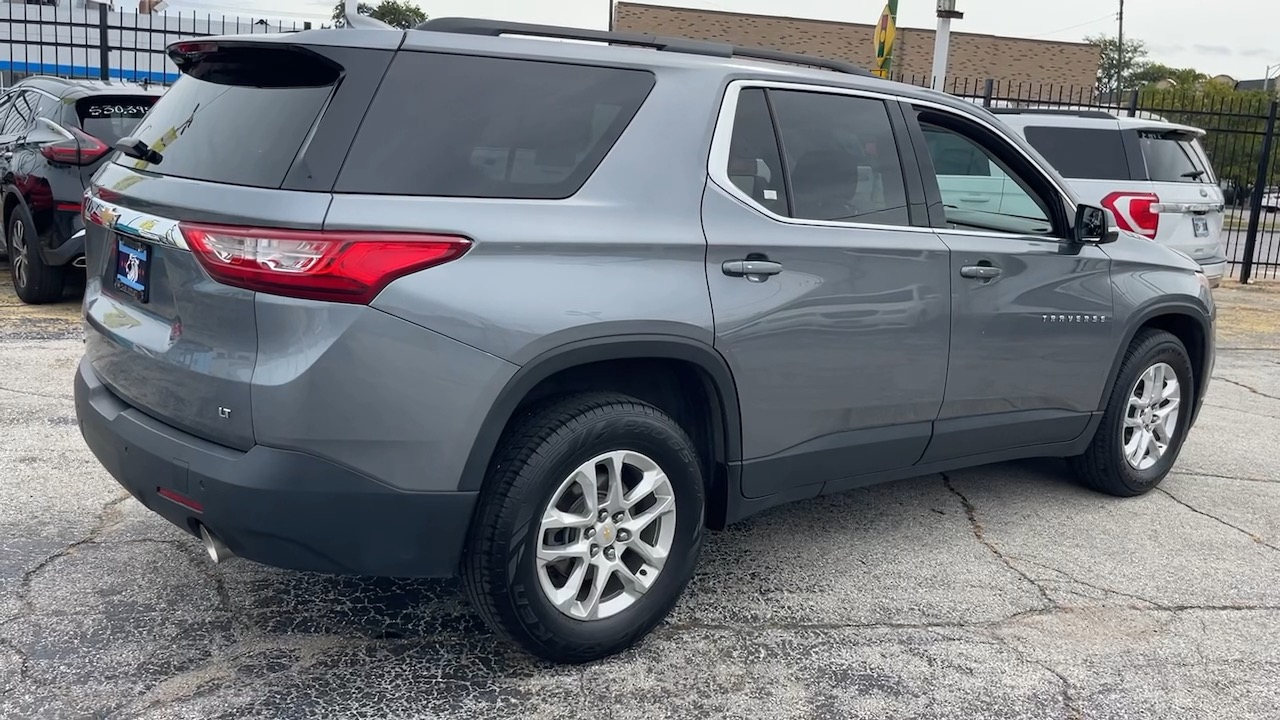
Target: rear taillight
337, 266
83, 149
1134, 212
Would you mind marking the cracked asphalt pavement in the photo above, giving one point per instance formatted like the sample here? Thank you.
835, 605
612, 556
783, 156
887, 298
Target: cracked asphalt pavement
999, 592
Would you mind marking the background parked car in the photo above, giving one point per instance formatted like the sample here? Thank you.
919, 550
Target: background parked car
1153, 175
54, 134
1271, 200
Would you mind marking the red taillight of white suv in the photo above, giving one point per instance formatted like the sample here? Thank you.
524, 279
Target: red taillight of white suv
1134, 212
337, 266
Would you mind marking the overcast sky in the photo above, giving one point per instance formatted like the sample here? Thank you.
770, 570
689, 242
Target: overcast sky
1236, 37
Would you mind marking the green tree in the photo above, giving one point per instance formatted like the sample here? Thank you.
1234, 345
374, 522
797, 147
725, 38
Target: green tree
1116, 71
1155, 72
403, 14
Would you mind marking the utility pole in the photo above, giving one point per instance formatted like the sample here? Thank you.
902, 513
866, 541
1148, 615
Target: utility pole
1120, 51
942, 42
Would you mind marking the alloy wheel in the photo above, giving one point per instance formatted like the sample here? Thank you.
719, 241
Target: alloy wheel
605, 535
18, 252
1151, 417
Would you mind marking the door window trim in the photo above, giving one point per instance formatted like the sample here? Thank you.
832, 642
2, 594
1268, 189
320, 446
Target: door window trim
721, 140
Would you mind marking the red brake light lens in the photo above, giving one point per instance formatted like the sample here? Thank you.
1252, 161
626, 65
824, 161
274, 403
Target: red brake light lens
195, 46
1133, 211
335, 266
84, 149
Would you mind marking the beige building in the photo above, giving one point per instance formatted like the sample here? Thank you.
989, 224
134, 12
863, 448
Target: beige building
974, 58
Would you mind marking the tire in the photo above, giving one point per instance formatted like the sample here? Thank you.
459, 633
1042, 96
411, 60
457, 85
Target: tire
1104, 466
537, 460
34, 282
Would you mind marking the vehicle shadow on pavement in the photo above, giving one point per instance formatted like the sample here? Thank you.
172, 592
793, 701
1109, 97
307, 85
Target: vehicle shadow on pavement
740, 573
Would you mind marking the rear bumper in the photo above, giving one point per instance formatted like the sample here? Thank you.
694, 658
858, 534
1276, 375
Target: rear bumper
73, 247
1214, 269
276, 507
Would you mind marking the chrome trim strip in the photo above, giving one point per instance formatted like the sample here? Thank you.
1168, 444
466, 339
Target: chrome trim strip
149, 228
1186, 208
718, 161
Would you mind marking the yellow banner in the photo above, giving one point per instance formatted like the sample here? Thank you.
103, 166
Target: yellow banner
886, 31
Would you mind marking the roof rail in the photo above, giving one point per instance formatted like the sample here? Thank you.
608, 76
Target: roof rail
1095, 114
496, 28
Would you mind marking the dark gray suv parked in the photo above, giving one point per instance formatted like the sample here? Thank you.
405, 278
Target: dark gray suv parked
426, 302
54, 135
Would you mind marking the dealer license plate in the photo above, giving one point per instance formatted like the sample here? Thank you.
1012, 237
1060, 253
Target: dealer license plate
133, 268
1201, 225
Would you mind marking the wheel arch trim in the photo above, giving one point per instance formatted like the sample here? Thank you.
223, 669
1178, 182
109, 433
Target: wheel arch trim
1139, 319
9, 191
723, 390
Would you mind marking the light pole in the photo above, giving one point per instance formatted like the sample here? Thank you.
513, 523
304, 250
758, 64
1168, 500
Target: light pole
942, 42
1268, 76
1120, 52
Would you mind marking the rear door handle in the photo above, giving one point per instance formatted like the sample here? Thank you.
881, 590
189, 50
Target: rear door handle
753, 270
985, 272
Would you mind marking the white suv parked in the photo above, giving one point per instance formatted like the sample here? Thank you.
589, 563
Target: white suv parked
1153, 175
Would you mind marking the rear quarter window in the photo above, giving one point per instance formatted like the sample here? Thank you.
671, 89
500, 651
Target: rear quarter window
1082, 153
464, 126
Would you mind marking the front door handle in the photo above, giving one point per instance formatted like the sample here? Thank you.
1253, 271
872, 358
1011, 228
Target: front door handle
753, 270
986, 272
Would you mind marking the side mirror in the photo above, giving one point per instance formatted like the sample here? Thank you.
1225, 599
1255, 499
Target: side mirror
1095, 225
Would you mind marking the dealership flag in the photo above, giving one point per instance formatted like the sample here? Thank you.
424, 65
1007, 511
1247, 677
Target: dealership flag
886, 30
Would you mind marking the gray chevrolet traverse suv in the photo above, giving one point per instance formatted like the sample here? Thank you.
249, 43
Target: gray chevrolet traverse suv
446, 301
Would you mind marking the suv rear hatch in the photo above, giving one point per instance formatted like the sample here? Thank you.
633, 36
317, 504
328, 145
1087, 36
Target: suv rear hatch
1190, 207
245, 138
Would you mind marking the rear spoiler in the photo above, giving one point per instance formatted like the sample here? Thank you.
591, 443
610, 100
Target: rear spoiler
1173, 133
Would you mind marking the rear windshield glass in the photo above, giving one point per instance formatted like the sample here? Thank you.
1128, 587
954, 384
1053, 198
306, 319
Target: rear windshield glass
112, 118
1171, 158
237, 118
452, 125
1082, 153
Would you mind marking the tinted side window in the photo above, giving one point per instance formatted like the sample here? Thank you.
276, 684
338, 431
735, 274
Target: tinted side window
755, 166
463, 126
842, 158
1008, 203
48, 107
953, 155
1171, 159
1083, 153
21, 115
6, 103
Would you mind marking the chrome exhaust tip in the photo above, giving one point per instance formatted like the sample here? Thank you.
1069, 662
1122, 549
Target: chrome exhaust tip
80, 262
218, 552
